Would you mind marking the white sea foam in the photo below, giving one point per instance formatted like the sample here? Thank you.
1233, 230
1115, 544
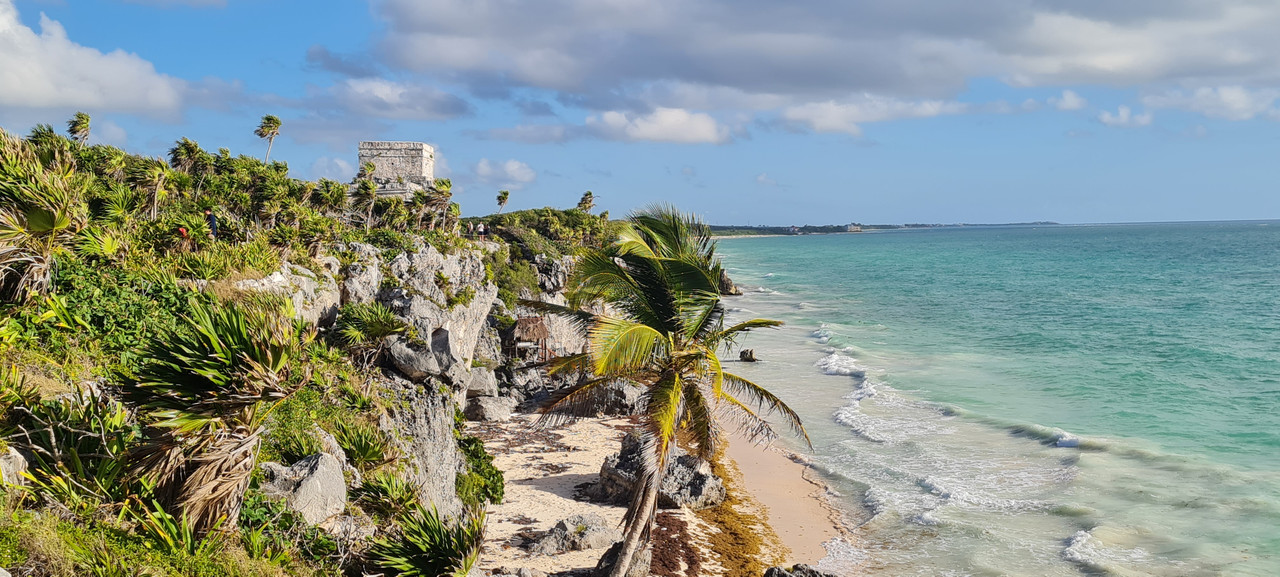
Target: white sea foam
838, 364
822, 334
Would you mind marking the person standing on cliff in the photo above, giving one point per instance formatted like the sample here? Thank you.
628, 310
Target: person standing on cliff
213, 223
480, 230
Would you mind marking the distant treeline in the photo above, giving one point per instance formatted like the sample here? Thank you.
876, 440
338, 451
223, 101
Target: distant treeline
739, 230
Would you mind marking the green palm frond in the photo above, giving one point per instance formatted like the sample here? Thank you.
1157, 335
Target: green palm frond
620, 346
430, 545
763, 398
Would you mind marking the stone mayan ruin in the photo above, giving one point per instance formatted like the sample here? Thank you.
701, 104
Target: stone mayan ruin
400, 168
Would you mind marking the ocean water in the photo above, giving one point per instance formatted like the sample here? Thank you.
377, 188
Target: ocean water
1064, 400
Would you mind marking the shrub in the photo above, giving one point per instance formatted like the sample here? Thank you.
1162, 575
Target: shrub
429, 546
270, 530
362, 328
482, 482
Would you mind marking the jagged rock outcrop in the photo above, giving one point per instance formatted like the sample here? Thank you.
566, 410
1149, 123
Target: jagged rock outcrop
12, 464
314, 486
316, 295
577, 533
688, 480
414, 360
727, 287
482, 383
747, 355
639, 568
419, 422
800, 570
490, 408
553, 274
444, 297
329, 445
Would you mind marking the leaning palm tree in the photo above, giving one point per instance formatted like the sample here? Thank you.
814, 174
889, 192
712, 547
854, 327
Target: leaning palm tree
268, 129
503, 197
205, 394
78, 127
151, 175
366, 198
662, 277
587, 202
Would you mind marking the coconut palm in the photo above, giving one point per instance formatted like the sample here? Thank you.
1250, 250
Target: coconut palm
366, 198
151, 175
662, 277
78, 127
205, 394
587, 202
269, 129
503, 197
442, 189
330, 197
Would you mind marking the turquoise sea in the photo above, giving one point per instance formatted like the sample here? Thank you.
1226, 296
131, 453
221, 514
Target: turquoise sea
1059, 400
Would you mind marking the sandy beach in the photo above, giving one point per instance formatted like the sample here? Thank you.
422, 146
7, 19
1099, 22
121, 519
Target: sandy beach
544, 468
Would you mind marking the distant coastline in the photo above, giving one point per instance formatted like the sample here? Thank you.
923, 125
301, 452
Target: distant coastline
739, 231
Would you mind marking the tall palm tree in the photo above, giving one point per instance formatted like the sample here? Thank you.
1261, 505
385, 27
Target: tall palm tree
587, 202
331, 196
78, 127
269, 129
205, 394
151, 175
367, 198
662, 277
442, 193
503, 197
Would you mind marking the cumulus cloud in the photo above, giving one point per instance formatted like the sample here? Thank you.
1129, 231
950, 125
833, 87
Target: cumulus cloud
108, 132
1068, 101
511, 174
387, 99
49, 70
661, 125
846, 116
1124, 117
715, 55
1227, 102
332, 168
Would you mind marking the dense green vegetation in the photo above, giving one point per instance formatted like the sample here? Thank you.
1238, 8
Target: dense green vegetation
144, 388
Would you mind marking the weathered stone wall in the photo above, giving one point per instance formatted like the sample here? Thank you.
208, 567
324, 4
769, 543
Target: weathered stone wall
410, 162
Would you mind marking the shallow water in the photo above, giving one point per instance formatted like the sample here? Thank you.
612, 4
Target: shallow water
1035, 401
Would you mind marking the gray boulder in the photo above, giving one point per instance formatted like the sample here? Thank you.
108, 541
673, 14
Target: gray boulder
483, 383
12, 464
687, 482
622, 399
800, 570
640, 568
315, 296
329, 445
4, 573
419, 422
490, 408
413, 360
314, 486
577, 533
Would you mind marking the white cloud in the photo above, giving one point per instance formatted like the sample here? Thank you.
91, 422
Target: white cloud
48, 70
1125, 117
763, 179
511, 174
332, 168
1228, 102
107, 132
387, 99
846, 116
1068, 101
661, 125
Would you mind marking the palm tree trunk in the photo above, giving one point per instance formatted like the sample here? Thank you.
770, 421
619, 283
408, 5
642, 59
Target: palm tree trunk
270, 141
634, 540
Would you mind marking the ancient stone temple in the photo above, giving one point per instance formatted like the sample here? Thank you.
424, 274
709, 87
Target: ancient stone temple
400, 167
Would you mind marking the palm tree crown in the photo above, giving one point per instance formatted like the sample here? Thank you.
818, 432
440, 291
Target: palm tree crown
503, 197
78, 127
662, 277
269, 129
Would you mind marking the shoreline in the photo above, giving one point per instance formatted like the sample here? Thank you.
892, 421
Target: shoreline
544, 469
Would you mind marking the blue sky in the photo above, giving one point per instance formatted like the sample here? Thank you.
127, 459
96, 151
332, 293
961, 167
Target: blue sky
744, 111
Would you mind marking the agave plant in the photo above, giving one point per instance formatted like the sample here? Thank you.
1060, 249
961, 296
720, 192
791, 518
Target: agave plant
206, 394
431, 546
387, 494
364, 444
363, 329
